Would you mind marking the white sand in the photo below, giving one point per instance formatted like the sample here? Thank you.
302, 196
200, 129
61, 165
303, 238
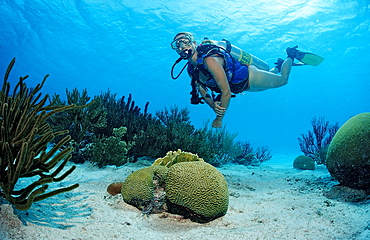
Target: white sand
273, 201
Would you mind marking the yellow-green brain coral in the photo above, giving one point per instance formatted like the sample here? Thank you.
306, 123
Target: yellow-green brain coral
348, 157
138, 188
193, 188
196, 190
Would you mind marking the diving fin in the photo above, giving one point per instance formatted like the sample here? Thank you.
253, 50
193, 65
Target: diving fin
305, 57
309, 58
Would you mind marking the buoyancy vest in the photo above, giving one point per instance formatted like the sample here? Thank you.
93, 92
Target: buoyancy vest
236, 73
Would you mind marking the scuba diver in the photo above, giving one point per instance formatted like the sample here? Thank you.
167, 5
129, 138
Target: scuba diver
219, 67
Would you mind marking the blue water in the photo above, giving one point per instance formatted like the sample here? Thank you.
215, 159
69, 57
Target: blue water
124, 46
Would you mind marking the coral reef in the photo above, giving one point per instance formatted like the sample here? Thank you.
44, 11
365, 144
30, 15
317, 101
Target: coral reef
348, 158
92, 125
88, 117
222, 145
96, 134
315, 143
189, 187
303, 162
108, 151
249, 156
179, 133
196, 190
123, 112
81, 121
25, 135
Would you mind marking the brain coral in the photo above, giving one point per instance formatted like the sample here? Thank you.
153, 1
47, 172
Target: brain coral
304, 163
138, 188
196, 190
173, 157
348, 157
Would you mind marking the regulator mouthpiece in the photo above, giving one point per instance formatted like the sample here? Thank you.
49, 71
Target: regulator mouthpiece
186, 54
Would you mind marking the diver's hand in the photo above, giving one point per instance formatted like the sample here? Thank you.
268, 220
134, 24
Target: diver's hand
217, 123
220, 111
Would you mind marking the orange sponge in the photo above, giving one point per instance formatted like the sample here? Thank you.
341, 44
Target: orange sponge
114, 188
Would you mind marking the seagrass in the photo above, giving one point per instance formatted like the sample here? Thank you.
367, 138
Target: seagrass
24, 137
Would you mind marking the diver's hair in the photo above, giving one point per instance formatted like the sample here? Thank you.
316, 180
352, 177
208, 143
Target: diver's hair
185, 33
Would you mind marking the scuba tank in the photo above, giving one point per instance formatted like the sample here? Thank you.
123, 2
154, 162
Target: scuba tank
238, 54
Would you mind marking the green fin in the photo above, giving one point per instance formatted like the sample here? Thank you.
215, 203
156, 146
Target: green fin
309, 58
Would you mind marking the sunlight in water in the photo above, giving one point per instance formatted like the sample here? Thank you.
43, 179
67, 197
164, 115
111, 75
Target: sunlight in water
124, 45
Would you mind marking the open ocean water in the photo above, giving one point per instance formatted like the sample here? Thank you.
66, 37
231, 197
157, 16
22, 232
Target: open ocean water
124, 46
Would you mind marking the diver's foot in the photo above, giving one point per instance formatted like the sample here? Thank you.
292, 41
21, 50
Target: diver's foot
292, 52
278, 64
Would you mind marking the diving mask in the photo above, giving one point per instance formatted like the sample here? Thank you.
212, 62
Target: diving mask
181, 42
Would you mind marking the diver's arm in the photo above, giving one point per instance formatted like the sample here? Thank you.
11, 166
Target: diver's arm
208, 99
214, 66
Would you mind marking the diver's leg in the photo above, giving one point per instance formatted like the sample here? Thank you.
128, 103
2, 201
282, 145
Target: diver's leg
286, 67
260, 80
274, 70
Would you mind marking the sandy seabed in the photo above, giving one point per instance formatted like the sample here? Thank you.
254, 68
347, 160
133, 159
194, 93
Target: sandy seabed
273, 201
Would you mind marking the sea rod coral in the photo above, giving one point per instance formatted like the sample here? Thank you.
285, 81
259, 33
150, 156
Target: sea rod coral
24, 136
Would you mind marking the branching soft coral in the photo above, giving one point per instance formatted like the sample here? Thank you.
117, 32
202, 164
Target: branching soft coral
24, 136
315, 143
249, 156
